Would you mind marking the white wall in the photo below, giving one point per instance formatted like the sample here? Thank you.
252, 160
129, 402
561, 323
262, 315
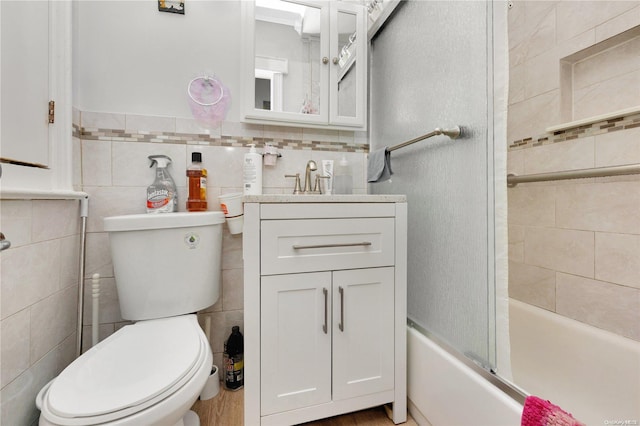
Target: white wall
131, 58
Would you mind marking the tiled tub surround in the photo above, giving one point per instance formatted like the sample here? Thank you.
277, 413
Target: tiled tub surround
604, 68
544, 33
598, 128
116, 173
574, 245
39, 290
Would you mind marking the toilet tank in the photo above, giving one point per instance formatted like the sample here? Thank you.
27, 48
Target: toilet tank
166, 264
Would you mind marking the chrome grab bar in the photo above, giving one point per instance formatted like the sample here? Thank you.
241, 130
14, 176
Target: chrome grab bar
298, 247
629, 169
4, 243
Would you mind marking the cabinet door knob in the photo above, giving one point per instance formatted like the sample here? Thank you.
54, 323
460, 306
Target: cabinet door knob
335, 61
325, 60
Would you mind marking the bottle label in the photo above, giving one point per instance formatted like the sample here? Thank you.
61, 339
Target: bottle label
250, 174
159, 200
203, 188
234, 371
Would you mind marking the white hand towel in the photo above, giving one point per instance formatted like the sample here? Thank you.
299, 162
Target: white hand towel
379, 165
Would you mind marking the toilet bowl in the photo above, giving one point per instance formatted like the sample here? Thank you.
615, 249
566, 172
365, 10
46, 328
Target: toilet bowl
147, 373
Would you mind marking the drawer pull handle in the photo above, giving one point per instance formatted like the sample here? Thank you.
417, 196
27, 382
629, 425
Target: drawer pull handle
365, 243
324, 326
341, 324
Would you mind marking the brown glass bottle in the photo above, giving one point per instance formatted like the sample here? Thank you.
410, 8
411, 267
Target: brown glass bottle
197, 177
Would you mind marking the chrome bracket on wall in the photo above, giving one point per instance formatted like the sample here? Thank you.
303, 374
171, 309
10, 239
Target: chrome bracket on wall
4, 243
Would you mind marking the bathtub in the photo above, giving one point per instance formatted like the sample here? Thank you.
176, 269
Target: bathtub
444, 391
593, 374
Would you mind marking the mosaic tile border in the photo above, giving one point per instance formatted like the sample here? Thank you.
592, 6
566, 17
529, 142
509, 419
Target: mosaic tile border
593, 129
204, 139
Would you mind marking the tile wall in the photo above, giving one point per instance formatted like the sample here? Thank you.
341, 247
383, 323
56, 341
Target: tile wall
39, 287
115, 174
574, 246
39, 273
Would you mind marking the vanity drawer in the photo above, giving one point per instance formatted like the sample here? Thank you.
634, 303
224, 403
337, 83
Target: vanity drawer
325, 244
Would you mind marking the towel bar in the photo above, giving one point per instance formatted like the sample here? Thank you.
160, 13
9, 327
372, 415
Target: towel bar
453, 133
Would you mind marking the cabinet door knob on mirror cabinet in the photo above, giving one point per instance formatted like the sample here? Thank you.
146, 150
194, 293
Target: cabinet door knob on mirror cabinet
325, 60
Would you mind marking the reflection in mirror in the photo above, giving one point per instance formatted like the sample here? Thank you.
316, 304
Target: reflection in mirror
263, 93
347, 63
286, 32
269, 74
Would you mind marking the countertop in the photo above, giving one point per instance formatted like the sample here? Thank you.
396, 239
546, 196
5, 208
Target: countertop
290, 198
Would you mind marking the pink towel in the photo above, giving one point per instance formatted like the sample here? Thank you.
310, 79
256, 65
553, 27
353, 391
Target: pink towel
538, 412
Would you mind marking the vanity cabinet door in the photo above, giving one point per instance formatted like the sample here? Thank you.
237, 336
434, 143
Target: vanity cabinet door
363, 332
295, 344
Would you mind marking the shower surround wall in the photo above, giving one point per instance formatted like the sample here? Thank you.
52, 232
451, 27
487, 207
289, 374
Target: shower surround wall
574, 246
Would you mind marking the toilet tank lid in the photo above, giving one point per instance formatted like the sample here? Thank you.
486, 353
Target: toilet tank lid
137, 222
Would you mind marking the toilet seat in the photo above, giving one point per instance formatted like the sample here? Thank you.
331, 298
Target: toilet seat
133, 369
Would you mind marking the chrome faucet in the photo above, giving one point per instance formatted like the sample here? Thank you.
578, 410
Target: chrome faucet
311, 167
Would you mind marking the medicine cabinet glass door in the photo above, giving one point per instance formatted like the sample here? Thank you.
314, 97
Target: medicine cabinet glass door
299, 63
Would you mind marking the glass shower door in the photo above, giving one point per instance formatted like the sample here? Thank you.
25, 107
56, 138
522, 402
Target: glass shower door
430, 67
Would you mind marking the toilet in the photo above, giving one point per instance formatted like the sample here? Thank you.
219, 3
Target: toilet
167, 266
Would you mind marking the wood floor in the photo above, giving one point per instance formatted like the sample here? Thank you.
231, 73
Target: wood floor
226, 409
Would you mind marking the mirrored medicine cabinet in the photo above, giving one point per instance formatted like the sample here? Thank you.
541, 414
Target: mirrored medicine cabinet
305, 63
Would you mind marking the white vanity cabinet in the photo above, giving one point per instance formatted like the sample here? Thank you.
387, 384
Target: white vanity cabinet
325, 306
304, 63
